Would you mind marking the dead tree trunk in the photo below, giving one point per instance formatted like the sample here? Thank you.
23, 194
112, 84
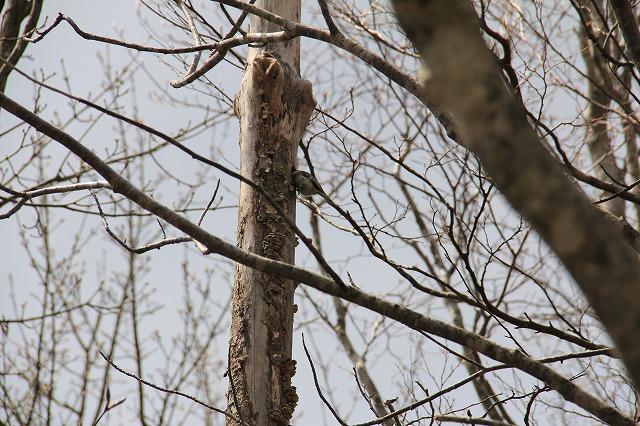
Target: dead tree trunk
274, 107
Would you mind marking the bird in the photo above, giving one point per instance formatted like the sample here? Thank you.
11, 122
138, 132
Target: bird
306, 184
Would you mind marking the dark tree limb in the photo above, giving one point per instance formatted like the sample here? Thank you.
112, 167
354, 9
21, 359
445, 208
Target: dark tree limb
629, 28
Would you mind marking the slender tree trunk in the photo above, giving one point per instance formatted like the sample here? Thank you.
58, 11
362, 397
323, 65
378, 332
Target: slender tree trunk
600, 92
274, 107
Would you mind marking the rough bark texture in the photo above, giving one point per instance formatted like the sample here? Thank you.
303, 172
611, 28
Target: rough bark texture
461, 76
274, 107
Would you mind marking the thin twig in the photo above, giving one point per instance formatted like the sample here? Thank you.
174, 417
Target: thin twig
206, 209
223, 45
233, 390
617, 194
217, 56
26, 196
231, 21
471, 421
139, 250
196, 36
362, 390
48, 315
171, 391
290, 223
203, 249
315, 380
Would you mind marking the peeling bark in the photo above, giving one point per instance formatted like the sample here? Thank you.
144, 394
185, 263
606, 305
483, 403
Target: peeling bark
274, 107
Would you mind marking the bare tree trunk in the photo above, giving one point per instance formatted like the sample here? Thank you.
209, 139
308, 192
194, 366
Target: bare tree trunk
601, 93
274, 107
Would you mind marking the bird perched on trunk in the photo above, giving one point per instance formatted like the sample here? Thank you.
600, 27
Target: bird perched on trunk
306, 184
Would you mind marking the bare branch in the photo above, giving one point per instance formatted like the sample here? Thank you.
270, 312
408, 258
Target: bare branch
170, 391
470, 421
28, 195
24, 113
194, 32
216, 57
629, 28
147, 247
497, 130
221, 46
315, 380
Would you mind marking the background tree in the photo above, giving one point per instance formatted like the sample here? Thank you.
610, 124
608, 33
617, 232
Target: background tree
458, 291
